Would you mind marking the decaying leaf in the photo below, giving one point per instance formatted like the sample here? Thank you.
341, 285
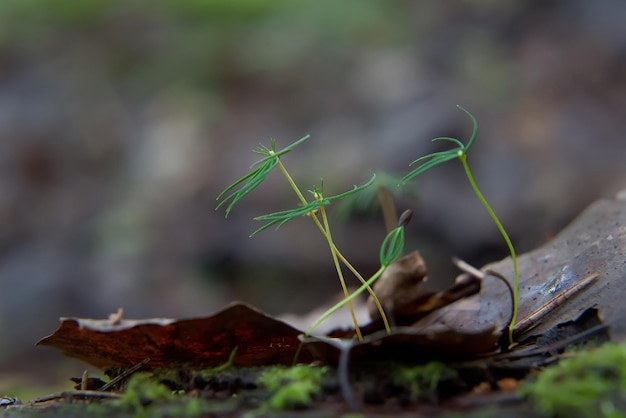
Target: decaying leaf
259, 339
201, 342
594, 243
591, 250
424, 302
408, 343
400, 285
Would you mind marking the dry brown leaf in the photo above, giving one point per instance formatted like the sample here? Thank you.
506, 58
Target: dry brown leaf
201, 342
408, 343
258, 338
595, 242
400, 285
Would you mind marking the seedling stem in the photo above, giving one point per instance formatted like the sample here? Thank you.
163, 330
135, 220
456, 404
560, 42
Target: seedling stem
436, 158
325, 230
333, 251
509, 244
256, 177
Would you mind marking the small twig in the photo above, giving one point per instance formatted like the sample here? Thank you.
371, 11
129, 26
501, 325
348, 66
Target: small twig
84, 380
467, 268
116, 317
535, 317
96, 394
497, 275
558, 345
124, 375
101, 393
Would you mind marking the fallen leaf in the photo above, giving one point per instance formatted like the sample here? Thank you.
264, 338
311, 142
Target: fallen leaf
407, 343
400, 285
258, 338
201, 342
595, 242
424, 302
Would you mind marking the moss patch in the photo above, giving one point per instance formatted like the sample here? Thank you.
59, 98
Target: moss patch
144, 390
422, 379
592, 383
293, 387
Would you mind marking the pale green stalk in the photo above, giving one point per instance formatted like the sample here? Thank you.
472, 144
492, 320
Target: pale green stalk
436, 158
336, 254
390, 250
347, 300
329, 239
470, 177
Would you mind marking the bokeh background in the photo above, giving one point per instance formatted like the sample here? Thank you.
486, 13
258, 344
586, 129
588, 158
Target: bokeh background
121, 121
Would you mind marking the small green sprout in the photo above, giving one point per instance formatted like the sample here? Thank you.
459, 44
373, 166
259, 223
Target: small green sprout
436, 158
392, 246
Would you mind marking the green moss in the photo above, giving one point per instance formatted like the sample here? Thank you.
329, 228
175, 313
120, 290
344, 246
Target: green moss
423, 378
592, 383
144, 390
293, 387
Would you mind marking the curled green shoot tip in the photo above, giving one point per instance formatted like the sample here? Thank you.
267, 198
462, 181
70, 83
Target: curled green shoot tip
260, 171
460, 152
436, 158
282, 217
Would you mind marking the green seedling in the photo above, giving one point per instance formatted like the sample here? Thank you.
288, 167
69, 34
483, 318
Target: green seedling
316, 210
431, 160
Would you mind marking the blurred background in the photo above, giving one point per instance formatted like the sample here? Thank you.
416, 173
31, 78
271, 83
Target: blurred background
121, 121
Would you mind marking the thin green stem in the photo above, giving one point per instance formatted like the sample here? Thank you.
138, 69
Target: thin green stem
333, 251
250, 181
338, 255
470, 177
349, 299
369, 289
292, 183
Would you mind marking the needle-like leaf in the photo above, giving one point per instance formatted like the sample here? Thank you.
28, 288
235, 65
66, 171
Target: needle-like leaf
437, 158
354, 190
431, 161
253, 179
282, 217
